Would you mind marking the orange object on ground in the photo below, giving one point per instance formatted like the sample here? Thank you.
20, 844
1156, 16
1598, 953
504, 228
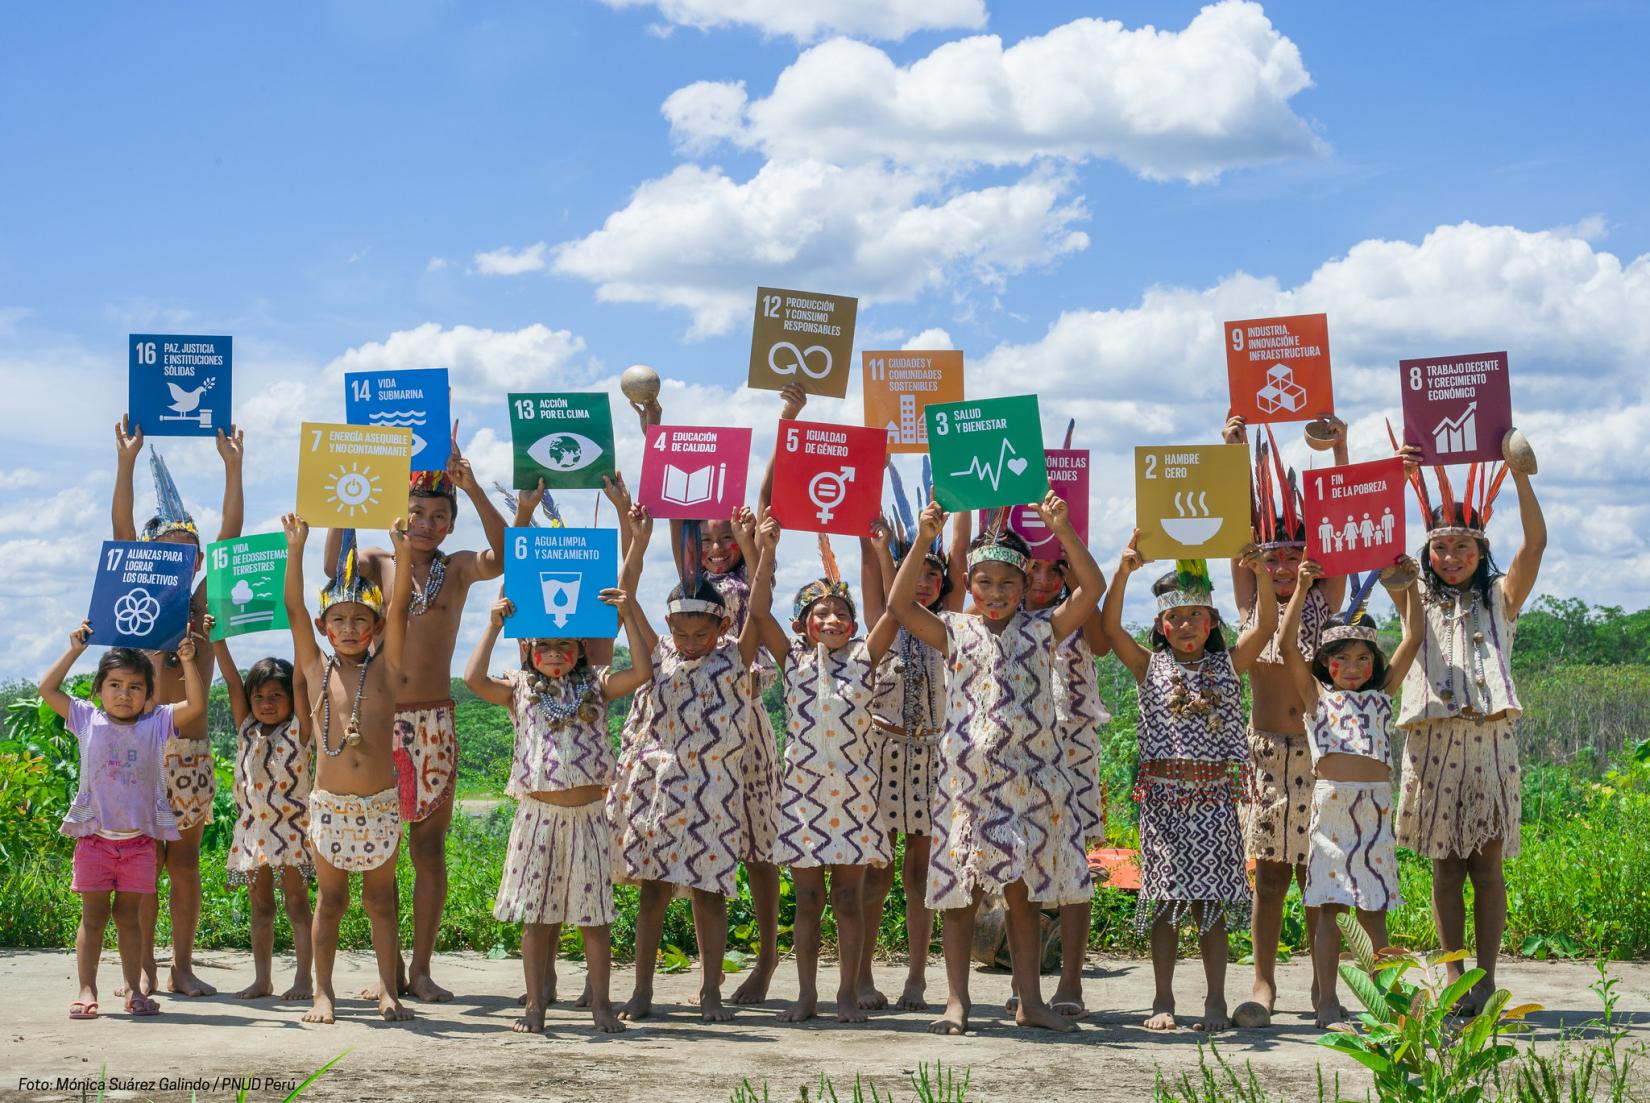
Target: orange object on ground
1121, 867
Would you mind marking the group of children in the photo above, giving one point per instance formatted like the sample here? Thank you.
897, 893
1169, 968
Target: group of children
964, 718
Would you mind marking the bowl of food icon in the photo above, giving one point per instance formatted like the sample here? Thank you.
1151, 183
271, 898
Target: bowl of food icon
1192, 531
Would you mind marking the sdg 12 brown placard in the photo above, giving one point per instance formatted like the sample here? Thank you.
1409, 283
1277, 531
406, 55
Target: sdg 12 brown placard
802, 337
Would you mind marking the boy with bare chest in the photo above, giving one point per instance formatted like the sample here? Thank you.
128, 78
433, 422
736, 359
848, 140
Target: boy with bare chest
426, 743
354, 813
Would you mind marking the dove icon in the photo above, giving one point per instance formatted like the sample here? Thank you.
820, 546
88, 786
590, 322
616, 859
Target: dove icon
186, 405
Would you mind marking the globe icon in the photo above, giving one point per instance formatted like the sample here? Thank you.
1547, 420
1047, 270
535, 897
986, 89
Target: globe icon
135, 612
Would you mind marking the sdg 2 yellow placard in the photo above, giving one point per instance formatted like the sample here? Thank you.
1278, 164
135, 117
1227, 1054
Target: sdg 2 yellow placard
1192, 500
353, 476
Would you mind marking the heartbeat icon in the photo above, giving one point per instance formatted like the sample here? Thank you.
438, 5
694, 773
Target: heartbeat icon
993, 474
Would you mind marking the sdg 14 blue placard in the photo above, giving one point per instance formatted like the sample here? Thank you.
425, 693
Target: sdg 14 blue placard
179, 386
141, 595
416, 399
553, 575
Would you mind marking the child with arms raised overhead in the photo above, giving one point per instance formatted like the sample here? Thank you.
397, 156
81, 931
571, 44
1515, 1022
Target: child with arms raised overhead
1191, 745
120, 809
559, 866
677, 807
1347, 690
271, 839
191, 783
426, 750
354, 812
1003, 820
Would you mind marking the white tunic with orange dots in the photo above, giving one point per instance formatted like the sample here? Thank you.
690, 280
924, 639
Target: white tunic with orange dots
829, 803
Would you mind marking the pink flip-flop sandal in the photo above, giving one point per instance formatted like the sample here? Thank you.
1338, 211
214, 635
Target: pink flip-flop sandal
141, 1006
83, 1009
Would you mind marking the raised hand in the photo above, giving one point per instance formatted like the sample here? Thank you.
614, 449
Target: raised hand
1402, 574
882, 533
613, 486
186, 648
129, 441
616, 597
231, 447
459, 471
641, 523
1055, 513
1131, 560
1250, 557
502, 610
78, 638
767, 532
1331, 434
648, 413
1236, 430
795, 399
930, 523
208, 622
398, 537
1308, 573
1411, 455
296, 529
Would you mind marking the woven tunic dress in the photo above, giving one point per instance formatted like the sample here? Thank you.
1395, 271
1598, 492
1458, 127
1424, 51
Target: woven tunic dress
1353, 858
828, 807
677, 808
1191, 849
1081, 713
272, 792
909, 710
759, 765
1003, 800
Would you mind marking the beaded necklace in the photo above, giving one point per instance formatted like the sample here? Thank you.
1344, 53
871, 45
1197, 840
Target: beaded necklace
1195, 699
352, 730
425, 594
577, 690
1456, 621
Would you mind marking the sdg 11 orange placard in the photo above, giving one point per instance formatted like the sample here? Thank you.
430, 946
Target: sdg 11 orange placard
1278, 368
900, 384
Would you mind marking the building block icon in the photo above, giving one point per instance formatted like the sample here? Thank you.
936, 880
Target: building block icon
1281, 392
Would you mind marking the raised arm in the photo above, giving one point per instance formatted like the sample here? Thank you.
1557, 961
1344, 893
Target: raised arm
232, 448
616, 492
1526, 562
639, 523
1251, 643
397, 602
1128, 649
239, 706
1289, 637
902, 602
51, 682
1402, 585
876, 570
1236, 431
193, 705
962, 534
617, 683
760, 627
795, 399
1084, 578
495, 691
527, 503
305, 653
128, 447
489, 561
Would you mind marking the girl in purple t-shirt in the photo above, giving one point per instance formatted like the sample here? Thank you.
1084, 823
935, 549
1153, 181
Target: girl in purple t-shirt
120, 807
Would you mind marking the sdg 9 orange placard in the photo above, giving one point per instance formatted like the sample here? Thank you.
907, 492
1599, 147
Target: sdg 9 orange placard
1278, 368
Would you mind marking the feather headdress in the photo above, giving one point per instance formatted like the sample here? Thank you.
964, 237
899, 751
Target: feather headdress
830, 584
903, 524
1192, 586
1354, 623
547, 506
348, 586
1279, 523
170, 515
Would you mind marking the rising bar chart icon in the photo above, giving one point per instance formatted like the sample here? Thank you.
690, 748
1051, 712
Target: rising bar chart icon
1459, 433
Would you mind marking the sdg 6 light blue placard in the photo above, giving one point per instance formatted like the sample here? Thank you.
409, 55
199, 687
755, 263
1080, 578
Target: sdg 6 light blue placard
141, 595
179, 386
553, 575
416, 399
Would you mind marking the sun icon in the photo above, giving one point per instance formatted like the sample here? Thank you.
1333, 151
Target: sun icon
353, 489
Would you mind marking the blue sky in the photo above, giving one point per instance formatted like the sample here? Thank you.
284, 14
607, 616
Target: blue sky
327, 182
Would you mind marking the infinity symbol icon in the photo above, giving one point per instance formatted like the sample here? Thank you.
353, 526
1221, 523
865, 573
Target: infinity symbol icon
799, 359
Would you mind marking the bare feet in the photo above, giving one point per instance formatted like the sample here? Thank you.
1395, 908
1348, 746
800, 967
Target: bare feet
301, 990
320, 1011
146, 984
371, 991
754, 988
257, 990
805, 1007
606, 1021
1214, 1016
584, 996
186, 983
954, 1021
391, 1009
548, 996
427, 990
911, 999
531, 1021
848, 1007
870, 997
1332, 1016
1162, 1016
638, 1006
711, 1009
1044, 1017
1251, 1015
1069, 1001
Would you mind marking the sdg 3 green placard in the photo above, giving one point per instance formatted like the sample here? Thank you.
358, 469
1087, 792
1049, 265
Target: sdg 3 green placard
987, 452
244, 580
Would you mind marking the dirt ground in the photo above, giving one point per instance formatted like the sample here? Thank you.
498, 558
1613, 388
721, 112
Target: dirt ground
465, 1049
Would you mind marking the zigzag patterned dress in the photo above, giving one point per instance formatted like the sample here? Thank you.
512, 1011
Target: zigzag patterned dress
1003, 801
677, 809
1081, 713
828, 812
759, 765
272, 791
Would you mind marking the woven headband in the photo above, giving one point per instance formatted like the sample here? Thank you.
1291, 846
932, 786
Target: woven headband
696, 605
1182, 599
996, 553
1336, 633
817, 591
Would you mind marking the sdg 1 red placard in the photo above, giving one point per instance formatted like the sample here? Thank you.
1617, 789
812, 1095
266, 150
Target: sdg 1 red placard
694, 472
828, 478
1068, 477
1355, 516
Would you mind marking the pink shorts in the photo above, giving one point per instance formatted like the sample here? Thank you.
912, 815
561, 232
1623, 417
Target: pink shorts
118, 865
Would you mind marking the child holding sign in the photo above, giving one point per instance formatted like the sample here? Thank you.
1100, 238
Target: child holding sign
559, 866
1191, 744
120, 810
426, 749
829, 814
271, 837
676, 809
354, 810
191, 783
1002, 811
1347, 690
1459, 802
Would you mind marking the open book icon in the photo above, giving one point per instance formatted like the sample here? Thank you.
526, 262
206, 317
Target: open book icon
689, 488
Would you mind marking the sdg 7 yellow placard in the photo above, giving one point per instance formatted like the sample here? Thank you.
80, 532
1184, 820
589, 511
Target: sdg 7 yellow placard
353, 476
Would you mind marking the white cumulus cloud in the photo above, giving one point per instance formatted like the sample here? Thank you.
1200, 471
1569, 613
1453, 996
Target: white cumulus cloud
505, 261
885, 19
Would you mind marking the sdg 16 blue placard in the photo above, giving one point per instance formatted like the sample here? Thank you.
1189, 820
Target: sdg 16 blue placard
179, 386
